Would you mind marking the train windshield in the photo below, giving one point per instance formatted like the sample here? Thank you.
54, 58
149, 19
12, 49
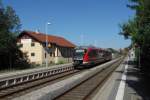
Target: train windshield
79, 53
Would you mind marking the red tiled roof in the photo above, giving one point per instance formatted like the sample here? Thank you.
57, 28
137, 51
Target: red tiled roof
51, 39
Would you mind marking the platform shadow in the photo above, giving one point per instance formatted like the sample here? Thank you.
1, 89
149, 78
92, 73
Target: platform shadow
130, 62
137, 82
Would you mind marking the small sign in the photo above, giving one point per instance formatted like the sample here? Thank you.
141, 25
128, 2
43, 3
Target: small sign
26, 40
79, 50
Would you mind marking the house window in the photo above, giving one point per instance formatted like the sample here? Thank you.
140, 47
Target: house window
45, 55
32, 44
21, 45
51, 54
32, 54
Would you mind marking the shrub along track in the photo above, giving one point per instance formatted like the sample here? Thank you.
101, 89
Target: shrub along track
23, 88
84, 90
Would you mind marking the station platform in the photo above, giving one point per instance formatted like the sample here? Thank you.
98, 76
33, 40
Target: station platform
124, 84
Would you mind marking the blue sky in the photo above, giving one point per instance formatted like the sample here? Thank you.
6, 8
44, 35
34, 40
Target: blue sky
80, 21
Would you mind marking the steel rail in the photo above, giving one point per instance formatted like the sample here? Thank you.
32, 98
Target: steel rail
13, 91
83, 90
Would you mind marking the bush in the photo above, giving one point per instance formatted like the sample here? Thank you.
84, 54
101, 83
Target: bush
60, 62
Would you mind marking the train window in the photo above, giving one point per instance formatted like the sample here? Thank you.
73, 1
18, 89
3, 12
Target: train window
92, 53
85, 50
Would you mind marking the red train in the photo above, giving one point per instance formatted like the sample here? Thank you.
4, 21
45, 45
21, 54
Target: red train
86, 56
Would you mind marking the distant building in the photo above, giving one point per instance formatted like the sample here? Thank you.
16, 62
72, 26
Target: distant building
132, 54
34, 44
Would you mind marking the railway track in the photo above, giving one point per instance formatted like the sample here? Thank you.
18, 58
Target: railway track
8, 93
84, 90
20, 89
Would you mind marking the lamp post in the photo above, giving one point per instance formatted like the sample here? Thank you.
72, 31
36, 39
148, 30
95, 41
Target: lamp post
46, 41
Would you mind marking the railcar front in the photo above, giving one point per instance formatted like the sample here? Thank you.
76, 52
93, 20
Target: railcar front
78, 57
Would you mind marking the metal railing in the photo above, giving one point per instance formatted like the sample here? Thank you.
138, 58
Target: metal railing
14, 80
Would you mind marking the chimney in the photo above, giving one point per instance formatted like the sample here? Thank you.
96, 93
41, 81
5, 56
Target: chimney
37, 31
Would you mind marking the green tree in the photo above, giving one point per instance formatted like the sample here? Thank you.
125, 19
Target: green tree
10, 55
129, 29
139, 30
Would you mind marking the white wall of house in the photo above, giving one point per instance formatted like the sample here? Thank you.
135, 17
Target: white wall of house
37, 54
33, 50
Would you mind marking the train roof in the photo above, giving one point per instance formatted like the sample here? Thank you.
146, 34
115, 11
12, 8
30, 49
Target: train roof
92, 47
86, 47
